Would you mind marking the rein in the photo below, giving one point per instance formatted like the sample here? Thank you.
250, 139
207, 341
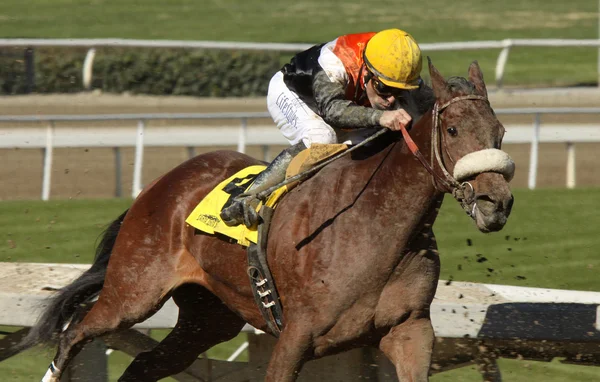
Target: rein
446, 180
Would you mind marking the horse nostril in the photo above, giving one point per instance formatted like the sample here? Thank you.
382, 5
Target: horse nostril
488, 205
509, 204
485, 204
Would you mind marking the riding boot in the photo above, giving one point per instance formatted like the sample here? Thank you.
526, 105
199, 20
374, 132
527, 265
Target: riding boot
243, 209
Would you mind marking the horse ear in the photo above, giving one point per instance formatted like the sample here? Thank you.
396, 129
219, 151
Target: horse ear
438, 83
476, 77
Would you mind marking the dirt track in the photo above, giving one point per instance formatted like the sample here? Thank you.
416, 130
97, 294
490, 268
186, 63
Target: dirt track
84, 173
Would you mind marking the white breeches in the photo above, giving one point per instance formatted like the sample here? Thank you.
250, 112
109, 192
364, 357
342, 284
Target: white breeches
296, 121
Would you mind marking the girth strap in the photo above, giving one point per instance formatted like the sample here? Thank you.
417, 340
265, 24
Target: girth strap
261, 280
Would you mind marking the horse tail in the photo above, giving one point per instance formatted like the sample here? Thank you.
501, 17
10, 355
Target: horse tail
69, 301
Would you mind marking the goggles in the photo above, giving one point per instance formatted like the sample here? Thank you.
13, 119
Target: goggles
384, 90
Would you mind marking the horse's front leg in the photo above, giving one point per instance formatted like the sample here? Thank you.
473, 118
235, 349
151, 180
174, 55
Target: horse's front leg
290, 352
404, 308
409, 346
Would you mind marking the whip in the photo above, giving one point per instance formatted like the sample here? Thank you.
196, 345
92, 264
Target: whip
265, 193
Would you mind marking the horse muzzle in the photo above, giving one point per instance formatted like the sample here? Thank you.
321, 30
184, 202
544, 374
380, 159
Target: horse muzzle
493, 200
491, 212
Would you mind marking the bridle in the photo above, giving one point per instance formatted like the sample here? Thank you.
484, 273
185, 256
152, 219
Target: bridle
463, 192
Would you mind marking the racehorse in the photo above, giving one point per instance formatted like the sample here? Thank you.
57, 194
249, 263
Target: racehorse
351, 250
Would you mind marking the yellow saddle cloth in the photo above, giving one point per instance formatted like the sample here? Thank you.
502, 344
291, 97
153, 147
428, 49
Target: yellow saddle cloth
205, 217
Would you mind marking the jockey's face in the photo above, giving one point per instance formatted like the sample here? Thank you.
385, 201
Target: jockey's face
380, 96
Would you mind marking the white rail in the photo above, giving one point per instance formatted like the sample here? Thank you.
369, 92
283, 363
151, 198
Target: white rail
194, 135
25, 286
504, 45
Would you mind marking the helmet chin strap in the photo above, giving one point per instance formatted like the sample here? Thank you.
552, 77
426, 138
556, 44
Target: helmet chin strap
366, 78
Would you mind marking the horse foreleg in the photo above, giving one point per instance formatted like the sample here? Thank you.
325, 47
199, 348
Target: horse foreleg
290, 353
409, 346
203, 322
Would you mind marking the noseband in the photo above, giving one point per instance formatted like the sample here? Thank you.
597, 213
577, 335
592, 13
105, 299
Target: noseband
462, 192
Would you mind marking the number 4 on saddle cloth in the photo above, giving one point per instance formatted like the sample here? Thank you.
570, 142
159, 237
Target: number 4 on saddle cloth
205, 217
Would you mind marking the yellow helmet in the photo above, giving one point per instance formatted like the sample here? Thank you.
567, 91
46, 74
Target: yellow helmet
394, 57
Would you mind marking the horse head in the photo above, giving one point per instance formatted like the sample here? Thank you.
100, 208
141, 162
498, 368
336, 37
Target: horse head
467, 158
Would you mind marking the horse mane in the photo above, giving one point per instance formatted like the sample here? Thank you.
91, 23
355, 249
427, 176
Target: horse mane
420, 101
459, 84
417, 102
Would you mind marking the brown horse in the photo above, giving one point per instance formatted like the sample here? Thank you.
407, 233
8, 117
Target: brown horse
351, 250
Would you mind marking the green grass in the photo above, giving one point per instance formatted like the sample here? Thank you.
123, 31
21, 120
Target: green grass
551, 240
552, 228
57, 231
32, 364
526, 371
312, 21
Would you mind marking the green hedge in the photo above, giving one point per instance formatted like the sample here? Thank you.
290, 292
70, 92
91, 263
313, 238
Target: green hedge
202, 73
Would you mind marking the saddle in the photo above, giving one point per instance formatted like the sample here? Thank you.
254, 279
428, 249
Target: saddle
206, 218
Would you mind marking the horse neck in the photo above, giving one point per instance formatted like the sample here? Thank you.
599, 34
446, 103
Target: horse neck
409, 180
405, 164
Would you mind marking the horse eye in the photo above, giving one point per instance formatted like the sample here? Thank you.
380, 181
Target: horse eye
452, 131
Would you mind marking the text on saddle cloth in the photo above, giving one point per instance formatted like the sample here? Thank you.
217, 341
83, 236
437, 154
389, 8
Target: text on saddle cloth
206, 216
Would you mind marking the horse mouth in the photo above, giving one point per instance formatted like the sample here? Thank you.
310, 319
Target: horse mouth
490, 215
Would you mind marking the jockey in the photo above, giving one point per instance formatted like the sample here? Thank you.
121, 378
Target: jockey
333, 93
